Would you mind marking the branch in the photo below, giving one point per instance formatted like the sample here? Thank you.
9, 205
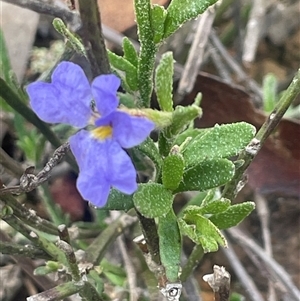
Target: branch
27, 250
92, 37
29, 181
28, 217
51, 7
59, 292
13, 167
267, 128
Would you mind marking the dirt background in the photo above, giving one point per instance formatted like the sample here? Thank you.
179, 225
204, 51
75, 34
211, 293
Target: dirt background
274, 176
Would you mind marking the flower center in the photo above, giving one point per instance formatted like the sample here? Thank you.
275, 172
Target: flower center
102, 132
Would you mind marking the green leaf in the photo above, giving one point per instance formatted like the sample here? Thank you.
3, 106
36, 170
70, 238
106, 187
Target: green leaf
49, 267
214, 207
201, 231
169, 245
158, 16
147, 51
182, 116
207, 175
180, 11
114, 273
220, 142
153, 200
269, 92
189, 134
74, 42
164, 82
172, 170
130, 53
127, 100
233, 215
130, 70
118, 201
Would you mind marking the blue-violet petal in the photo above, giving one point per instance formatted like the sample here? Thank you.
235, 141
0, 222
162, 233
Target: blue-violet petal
102, 164
65, 100
130, 130
104, 89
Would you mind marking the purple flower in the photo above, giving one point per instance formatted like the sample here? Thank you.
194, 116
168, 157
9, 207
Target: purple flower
102, 161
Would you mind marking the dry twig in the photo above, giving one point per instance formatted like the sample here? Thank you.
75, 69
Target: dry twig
219, 281
244, 278
264, 216
130, 272
196, 53
278, 271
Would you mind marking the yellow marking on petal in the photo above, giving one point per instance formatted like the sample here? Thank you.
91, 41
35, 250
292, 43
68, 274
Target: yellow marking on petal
102, 132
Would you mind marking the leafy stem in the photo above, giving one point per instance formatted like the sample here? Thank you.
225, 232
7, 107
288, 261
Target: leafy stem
192, 262
147, 51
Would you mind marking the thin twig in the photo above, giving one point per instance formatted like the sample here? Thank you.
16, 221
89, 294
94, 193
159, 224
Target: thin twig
196, 53
241, 75
264, 216
130, 272
10, 164
244, 278
29, 181
267, 128
272, 265
11, 248
28, 216
254, 29
54, 8
149, 229
220, 66
71, 259
59, 292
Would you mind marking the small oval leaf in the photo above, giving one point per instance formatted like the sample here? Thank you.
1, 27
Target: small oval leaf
233, 215
120, 63
118, 201
158, 16
153, 200
202, 232
221, 141
164, 82
172, 171
207, 175
130, 53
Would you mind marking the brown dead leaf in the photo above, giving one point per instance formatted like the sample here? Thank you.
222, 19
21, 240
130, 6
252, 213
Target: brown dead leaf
119, 14
276, 169
65, 194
